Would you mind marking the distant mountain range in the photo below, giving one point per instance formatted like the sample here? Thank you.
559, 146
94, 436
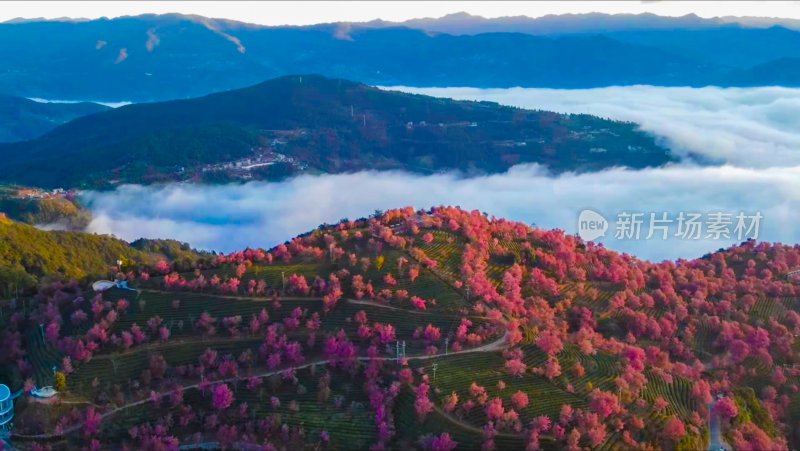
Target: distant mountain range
561, 24
160, 57
22, 119
316, 124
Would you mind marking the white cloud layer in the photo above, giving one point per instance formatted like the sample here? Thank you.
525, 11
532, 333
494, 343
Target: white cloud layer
755, 132
232, 217
747, 127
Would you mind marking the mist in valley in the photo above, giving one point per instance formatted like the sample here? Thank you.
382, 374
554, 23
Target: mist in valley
751, 136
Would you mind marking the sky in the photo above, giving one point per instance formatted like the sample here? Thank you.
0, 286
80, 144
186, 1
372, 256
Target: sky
311, 12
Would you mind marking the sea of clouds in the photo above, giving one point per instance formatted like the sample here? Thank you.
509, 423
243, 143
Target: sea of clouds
748, 127
753, 133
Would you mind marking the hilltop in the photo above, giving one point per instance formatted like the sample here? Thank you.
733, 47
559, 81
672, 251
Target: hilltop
585, 23
55, 209
30, 256
312, 124
507, 336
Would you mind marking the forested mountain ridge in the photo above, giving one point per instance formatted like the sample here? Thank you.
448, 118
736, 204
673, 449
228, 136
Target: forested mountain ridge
160, 57
309, 123
583, 23
30, 256
22, 119
57, 209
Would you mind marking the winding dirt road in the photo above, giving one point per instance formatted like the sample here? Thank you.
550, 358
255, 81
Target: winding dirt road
493, 346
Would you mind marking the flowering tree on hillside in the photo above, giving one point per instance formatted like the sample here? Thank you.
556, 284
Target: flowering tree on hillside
221, 397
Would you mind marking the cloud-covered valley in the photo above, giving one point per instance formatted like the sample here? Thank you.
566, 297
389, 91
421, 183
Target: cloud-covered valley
230, 217
753, 133
748, 127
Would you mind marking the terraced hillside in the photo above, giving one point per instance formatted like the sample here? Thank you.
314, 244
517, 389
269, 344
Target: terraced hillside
437, 329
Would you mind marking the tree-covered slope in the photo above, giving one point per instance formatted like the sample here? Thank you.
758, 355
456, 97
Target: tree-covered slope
414, 329
27, 250
59, 210
324, 125
149, 57
22, 119
159, 57
29, 255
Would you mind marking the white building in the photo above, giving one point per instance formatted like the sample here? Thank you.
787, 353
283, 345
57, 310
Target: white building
6, 407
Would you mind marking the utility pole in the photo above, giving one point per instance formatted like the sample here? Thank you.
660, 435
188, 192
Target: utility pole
446, 342
400, 350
